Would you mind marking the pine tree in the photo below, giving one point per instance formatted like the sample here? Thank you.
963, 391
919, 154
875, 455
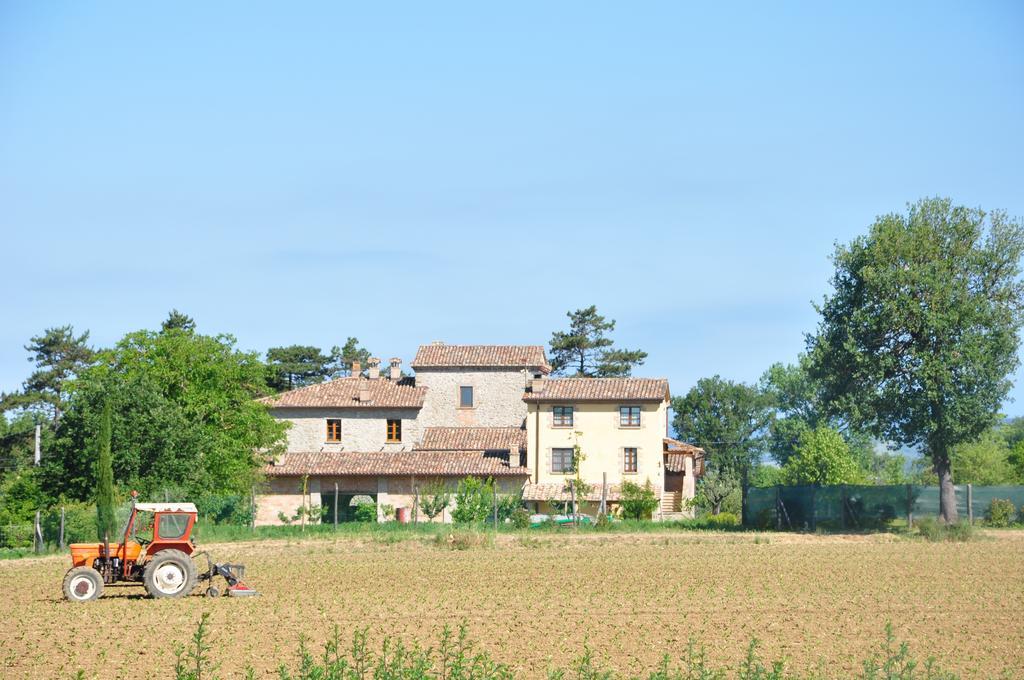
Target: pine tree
585, 352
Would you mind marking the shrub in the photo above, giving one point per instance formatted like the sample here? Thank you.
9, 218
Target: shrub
638, 502
473, 500
931, 529
999, 513
521, 519
509, 505
366, 512
722, 519
435, 499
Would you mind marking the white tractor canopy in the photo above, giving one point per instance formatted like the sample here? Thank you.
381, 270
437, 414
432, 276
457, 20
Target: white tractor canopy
166, 507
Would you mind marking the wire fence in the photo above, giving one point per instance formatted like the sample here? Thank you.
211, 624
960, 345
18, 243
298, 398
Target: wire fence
849, 506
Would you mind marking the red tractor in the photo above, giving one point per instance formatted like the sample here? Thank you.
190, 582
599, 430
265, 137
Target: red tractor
156, 550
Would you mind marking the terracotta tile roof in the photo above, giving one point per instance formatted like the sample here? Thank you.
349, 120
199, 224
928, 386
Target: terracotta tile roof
676, 453
344, 393
599, 389
555, 491
489, 356
402, 463
473, 438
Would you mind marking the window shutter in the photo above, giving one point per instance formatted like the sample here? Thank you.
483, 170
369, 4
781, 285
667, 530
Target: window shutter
639, 462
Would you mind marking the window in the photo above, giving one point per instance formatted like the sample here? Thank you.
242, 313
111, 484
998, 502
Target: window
172, 526
394, 431
629, 416
561, 461
334, 429
629, 460
465, 397
561, 416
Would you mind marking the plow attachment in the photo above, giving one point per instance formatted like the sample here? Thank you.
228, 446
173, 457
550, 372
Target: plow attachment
231, 573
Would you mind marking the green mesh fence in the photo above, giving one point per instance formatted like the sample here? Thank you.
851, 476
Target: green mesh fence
864, 507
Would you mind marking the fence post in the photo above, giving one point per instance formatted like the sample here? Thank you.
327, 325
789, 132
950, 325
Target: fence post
842, 506
494, 497
778, 507
38, 538
416, 504
335, 505
910, 506
60, 541
252, 509
814, 513
970, 504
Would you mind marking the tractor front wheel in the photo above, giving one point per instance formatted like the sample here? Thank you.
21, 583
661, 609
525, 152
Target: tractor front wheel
82, 584
170, 573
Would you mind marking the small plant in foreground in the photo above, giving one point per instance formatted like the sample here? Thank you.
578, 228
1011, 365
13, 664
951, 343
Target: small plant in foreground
193, 662
456, 657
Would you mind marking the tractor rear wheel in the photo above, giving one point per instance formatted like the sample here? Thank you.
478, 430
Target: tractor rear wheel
170, 573
82, 584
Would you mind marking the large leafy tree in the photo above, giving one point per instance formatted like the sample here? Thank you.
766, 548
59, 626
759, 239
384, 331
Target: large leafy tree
822, 457
799, 409
183, 417
729, 420
59, 355
986, 461
921, 332
297, 366
585, 351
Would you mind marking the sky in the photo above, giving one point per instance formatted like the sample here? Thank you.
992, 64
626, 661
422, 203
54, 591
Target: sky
297, 173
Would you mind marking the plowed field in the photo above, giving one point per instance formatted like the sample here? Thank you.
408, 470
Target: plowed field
820, 602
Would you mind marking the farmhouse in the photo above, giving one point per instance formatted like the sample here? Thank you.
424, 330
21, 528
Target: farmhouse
487, 411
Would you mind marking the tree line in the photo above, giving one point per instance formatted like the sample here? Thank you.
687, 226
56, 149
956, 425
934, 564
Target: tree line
914, 350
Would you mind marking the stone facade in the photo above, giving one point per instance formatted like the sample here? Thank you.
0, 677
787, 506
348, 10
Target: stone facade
497, 396
361, 429
498, 401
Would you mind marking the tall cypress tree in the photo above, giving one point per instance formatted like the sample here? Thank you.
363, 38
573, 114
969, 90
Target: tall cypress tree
104, 479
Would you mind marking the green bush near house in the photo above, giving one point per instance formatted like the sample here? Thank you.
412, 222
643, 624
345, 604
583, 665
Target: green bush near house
366, 512
1000, 513
638, 502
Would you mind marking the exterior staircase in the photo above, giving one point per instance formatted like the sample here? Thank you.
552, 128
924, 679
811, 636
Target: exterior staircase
671, 502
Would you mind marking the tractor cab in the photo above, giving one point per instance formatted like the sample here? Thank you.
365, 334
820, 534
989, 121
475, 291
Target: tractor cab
151, 527
157, 526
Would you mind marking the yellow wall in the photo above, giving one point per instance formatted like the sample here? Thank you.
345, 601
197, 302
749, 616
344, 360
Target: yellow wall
596, 428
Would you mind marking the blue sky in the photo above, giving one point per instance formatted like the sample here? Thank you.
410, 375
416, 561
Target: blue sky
299, 173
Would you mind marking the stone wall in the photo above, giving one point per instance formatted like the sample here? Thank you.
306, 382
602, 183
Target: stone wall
497, 397
362, 429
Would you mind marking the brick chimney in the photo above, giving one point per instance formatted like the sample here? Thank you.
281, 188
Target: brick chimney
357, 368
364, 393
374, 366
538, 385
396, 368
